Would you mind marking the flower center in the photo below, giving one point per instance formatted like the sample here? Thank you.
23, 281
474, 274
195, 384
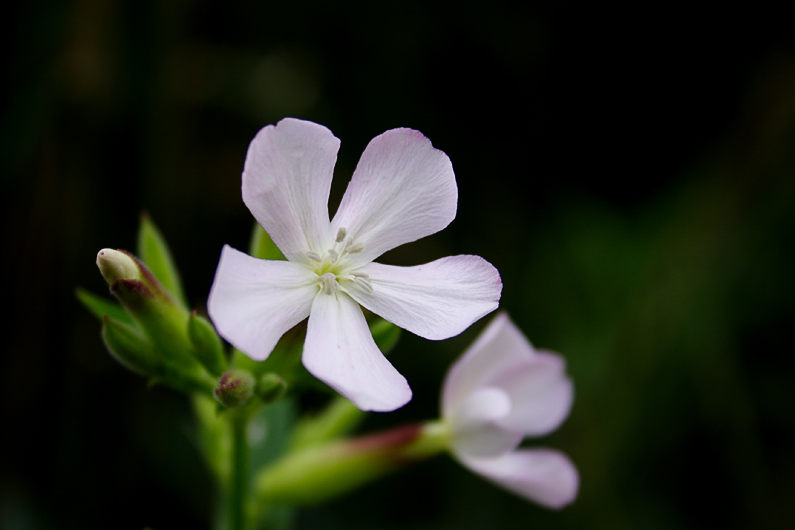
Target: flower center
334, 269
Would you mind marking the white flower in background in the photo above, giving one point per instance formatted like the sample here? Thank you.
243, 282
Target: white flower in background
500, 391
402, 190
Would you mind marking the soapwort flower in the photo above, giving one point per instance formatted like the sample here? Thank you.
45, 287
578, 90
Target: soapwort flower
403, 189
498, 392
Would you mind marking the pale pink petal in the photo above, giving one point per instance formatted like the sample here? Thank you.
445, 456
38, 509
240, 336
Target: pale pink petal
286, 183
402, 190
544, 476
435, 301
254, 302
473, 426
498, 349
340, 351
541, 394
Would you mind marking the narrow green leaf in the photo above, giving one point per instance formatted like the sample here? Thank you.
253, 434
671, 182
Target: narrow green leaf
262, 246
153, 250
99, 307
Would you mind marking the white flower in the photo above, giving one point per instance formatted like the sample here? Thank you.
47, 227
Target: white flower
500, 391
402, 190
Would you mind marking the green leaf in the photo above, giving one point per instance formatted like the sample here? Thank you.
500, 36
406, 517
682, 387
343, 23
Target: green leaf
262, 246
153, 250
99, 307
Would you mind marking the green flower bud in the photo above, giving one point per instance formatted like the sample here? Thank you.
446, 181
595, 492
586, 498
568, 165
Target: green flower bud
271, 387
162, 319
207, 346
137, 353
159, 322
235, 388
323, 472
130, 348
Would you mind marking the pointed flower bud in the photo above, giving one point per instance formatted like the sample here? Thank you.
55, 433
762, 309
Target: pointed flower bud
116, 265
130, 348
156, 340
235, 388
207, 345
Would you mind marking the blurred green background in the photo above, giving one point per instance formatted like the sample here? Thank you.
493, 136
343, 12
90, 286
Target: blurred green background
629, 171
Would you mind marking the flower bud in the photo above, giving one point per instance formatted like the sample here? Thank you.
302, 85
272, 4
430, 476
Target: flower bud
116, 265
130, 348
206, 344
235, 388
321, 472
163, 321
271, 387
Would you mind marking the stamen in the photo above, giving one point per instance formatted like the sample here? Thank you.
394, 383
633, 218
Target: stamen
364, 283
330, 285
341, 233
333, 255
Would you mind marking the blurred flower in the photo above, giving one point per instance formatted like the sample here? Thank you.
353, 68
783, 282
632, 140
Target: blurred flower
500, 391
402, 190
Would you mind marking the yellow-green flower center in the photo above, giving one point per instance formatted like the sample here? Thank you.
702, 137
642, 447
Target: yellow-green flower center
334, 269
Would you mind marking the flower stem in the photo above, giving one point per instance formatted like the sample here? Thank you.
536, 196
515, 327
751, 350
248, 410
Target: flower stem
237, 496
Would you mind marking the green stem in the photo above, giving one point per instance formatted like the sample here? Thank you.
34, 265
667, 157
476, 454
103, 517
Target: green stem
239, 487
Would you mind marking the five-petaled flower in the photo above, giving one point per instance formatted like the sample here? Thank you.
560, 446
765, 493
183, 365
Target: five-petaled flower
500, 391
403, 189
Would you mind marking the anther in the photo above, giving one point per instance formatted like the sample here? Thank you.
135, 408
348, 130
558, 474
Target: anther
355, 249
330, 285
364, 283
314, 256
341, 233
333, 255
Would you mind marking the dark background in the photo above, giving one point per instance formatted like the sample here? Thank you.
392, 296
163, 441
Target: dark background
628, 169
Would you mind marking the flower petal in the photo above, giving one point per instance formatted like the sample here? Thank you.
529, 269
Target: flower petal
402, 190
435, 301
286, 183
545, 476
541, 394
474, 428
254, 302
340, 351
499, 348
